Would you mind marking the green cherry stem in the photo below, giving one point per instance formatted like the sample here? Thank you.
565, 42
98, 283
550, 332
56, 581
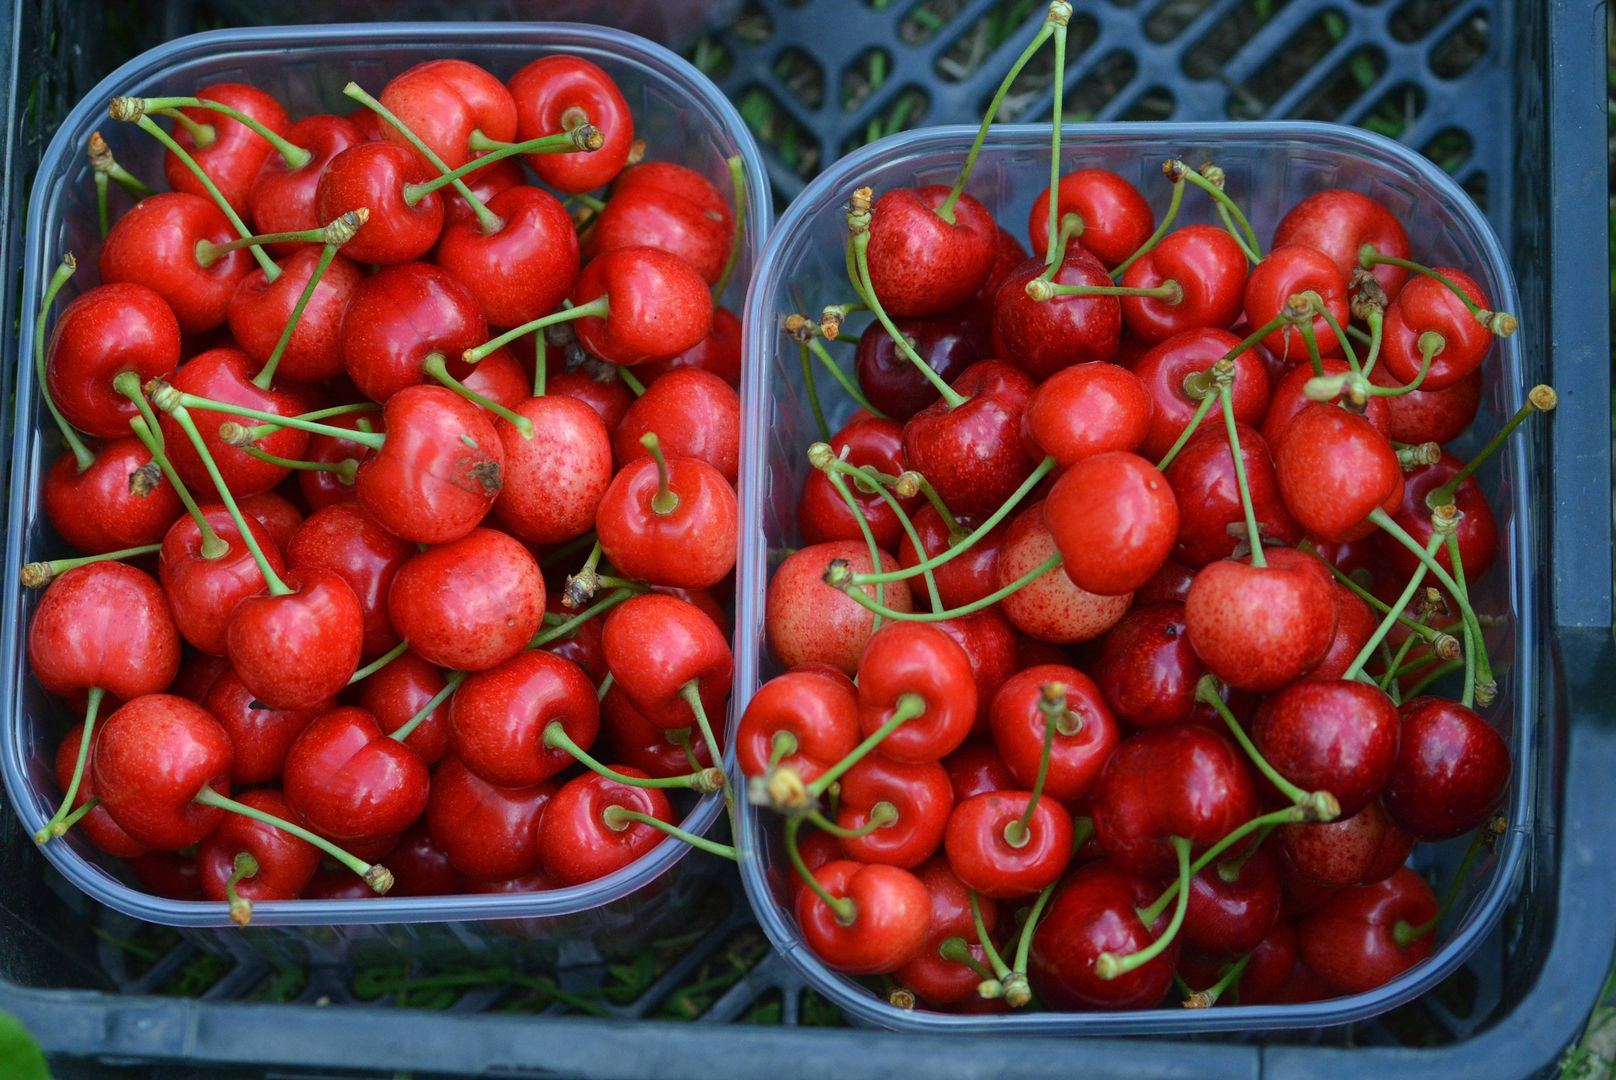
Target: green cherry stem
840, 485
1321, 309
630, 380
666, 500
1207, 401
690, 694
91, 708
127, 383
253, 434
236, 434
737, 186
1001, 970
908, 708
861, 246
882, 814
436, 367
1443, 521
64, 270
1161, 230
1376, 318
332, 236
597, 308
957, 950
1169, 292
822, 457
1311, 340
1483, 667
566, 628
840, 576
345, 470
1211, 180
817, 347
1473, 643
1052, 704
1499, 323
1110, 966
1052, 254
377, 876
213, 546
1205, 999
585, 138
841, 907
1404, 934
1541, 398
104, 164
1290, 815
618, 818
450, 685
36, 575
1430, 634
1071, 227
240, 907
380, 662
1317, 805
131, 109
820, 423
1253, 531
556, 738
541, 363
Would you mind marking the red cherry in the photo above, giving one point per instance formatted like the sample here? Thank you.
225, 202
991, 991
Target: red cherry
1051, 608
234, 154
694, 414
376, 176
259, 734
1351, 941
1285, 272
346, 540
522, 270
486, 831
1271, 963
967, 577
595, 384
203, 592
1085, 734
1086, 409
1210, 269
284, 198
402, 688
657, 306
555, 479
484, 183
1339, 223
581, 645
577, 838
1168, 371
1230, 917
107, 835
656, 646
498, 719
101, 334
892, 912
348, 781
1146, 668
168, 874
1258, 628
95, 510
1114, 519
981, 851
321, 489
260, 309
921, 264
153, 755
1337, 853
298, 648
1477, 532
814, 708
469, 604
399, 317
1290, 398
627, 736
989, 642
1202, 479
664, 205
105, 625
277, 514
919, 793
1095, 912
690, 544
421, 867
1452, 770
444, 102
1334, 469
972, 453
891, 381
1426, 415
1354, 623
439, 470
226, 375
555, 93
1338, 736
809, 621
1007, 255
1171, 584
158, 243
719, 352
918, 670
822, 513
976, 767
1116, 218
285, 863
1043, 336
937, 980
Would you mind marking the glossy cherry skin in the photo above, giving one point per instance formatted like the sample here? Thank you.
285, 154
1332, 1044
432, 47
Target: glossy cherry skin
225, 375
1338, 736
155, 244
809, 621
260, 309
973, 454
822, 513
656, 645
1338, 853
1339, 222
401, 689
1097, 911
555, 480
1290, 398
1354, 623
152, 757
1083, 740
1007, 255
936, 980
1208, 266
322, 489
1424, 415
664, 205
550, 88
1271, 963
1477, 531
399, 317
421, 867
990, 645
300, 648
1227, 918
1259, 628
575, 842
95, 511
168, 874
97, 825
691, 546
374, 175
1114, 519
1284, 272
1171, 584
469, 604
1452, 770
659, 306
1165, 368
443, 102
627, 736
719, 352
816, 706
438, 472
985, 859
285, 863
1043, 336
922, 796
234, 153
967, 577
891, 381
285, 199
259, 734
486, 182
348, 781
1087, 409
1349, 940
582, 644
904, 658
921, 264
279, 516
525, 268
487, 832
344, 539
596, 384
892, 916
498, 718
1051, 608
203, 592
106, 625
1202, 478
98, 336
1146, 669
1334, 469
1116, 218
694, 414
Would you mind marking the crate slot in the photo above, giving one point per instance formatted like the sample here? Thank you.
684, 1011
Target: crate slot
1463, 48
1205, 57
866, 75
1417, 18
1349, 81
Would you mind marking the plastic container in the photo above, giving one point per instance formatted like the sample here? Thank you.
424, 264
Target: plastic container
682, 117
1270, 166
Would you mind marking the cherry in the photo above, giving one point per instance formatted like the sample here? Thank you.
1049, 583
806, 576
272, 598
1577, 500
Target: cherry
902, 808
1339, 736
822, 513
1086, 409
1050, 608
469, 604
989, 642
558, 473
279, 516
438, 472
336, 885
522, 270
203, 586
1451, 772
719, 352
229, 151
1354, 624
224, 376
1210, 270
669, 522
345, 539
499, 719
670, 660
1114, 519
581, 645
976, 767
964, 579
1007, 255
1041, 336
805, 720
934, 977
1084, 735
1334, 469
349, 781
1147, 669
1202, 479
1352, 940
108, 330
1290, 398
556, 93
628, 737
260, 309
300, 644
972, 453
401, 316
486, 832
483, 183
808, 621
105, 626
1341, 852
111, 505
884, 916
597, 385
401, 689
1116, 220
1268, 967
1171, 369
1095, 913
1290, 271
246, 860
694, 414
445, 102
664, 205
1426, 415
284, 197
162, 242
166, 873
923, 259
916, 671
1476, 531
1185, 781
379, 176
259, 734
650, 306
582, 838
321, 488
1339, 223
1171, 584
890, 380
421, 867
981, 847
1258, 628
97, 825
1232, 913
155, 753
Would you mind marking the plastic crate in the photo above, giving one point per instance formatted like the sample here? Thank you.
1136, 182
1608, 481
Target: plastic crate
1522, 997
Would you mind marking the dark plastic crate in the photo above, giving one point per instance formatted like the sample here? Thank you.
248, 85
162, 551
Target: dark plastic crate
1532, 106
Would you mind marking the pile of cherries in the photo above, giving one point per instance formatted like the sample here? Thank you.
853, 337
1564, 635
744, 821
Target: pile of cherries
400, 453
1113, 644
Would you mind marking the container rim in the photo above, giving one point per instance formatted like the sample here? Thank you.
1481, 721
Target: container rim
621, 47
1485, 911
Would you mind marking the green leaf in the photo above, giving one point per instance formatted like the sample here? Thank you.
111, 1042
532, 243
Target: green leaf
20, 1056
